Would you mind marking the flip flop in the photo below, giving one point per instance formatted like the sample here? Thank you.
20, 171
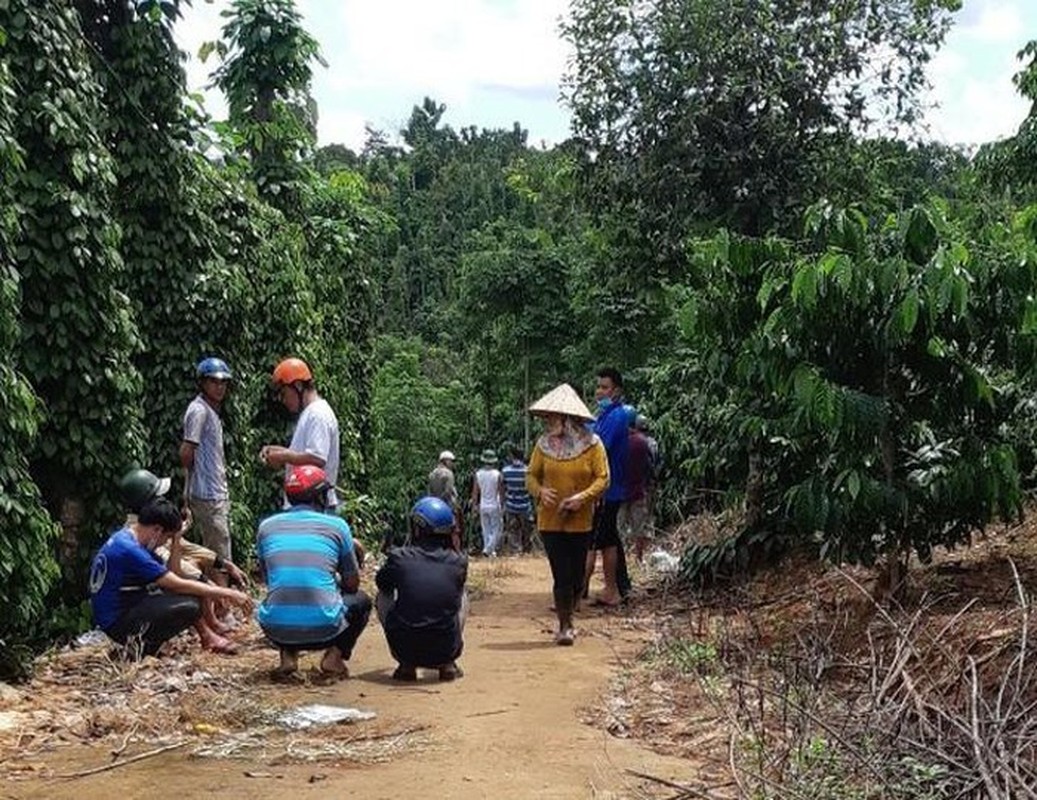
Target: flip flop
279, 675
224, 647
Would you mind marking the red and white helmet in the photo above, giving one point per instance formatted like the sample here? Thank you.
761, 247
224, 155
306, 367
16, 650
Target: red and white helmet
306, 484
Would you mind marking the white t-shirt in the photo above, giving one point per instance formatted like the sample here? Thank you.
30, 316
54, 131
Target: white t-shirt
316, 432
488, 480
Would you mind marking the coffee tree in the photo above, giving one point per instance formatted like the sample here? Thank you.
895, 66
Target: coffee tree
865, 379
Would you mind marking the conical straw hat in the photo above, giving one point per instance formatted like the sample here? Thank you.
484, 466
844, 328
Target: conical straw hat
561, 400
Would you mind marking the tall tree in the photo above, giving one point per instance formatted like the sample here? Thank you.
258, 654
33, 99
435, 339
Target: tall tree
168, 239
265, 73
1010, 166
723, 110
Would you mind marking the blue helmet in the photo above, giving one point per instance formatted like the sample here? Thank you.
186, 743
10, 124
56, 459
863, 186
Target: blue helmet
212, 367
432, 515
631, 415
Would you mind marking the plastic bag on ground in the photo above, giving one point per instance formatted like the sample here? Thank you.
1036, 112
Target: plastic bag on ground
663, 563
317, 714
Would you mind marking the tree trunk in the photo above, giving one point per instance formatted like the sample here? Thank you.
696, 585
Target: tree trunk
525, 402
754, 486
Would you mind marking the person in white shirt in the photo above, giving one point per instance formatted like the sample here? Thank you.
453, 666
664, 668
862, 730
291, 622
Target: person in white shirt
315, 440
488, 497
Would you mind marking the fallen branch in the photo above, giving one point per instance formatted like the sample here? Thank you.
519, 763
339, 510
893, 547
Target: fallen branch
489, 713
372, 737
685, 790
124, 762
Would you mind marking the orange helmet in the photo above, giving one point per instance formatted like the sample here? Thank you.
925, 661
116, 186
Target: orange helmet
291, 370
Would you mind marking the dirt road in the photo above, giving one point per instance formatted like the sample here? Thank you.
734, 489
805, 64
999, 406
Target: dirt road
510, 728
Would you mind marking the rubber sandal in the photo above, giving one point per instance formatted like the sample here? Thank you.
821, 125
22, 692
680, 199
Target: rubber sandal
279, 675
224, 648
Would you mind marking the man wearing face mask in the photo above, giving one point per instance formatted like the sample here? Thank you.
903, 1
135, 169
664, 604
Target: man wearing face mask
611, 426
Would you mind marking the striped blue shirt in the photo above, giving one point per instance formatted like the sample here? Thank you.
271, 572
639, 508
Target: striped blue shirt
516, 496
300, 551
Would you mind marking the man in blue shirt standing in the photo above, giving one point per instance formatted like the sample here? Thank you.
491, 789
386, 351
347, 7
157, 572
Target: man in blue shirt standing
312, 573
611, 426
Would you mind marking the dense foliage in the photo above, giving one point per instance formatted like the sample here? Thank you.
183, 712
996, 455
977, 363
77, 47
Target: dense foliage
78, 333
831, 331
27, 568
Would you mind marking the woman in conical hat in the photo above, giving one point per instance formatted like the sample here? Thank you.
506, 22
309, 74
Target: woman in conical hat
568, 471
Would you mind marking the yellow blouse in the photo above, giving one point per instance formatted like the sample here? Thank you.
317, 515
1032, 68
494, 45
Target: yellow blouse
586, 475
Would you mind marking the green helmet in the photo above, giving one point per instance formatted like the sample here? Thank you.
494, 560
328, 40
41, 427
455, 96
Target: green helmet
138, 487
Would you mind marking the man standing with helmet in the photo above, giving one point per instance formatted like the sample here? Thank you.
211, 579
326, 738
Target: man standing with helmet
312, 572
201, 456
421, 599
441, 484
315, 440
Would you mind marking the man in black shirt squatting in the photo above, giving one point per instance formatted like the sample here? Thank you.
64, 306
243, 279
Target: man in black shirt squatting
421, 601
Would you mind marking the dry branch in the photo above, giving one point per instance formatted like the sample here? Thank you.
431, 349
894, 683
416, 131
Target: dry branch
116, 764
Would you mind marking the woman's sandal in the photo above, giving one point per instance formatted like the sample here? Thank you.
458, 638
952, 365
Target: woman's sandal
224, 647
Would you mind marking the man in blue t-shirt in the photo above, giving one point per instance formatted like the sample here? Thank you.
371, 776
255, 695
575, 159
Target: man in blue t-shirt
611, 426
312, 571
135, 597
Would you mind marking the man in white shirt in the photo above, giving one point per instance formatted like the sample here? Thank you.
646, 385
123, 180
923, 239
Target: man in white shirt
488, 497
315, 440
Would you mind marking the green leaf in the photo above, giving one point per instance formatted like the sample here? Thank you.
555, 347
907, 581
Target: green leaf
907, 313
853, 484
206, 50
804, 285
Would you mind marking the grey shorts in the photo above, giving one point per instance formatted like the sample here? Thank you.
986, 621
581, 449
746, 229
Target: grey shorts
635, 521
212, 519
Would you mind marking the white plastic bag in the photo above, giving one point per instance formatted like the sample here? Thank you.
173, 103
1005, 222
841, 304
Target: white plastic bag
308, 716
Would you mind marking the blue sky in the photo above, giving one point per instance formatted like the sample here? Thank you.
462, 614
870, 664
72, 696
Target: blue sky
494, 62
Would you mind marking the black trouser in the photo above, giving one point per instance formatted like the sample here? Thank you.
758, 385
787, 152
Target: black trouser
358, 610
156, 618
606, 534
567, 554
